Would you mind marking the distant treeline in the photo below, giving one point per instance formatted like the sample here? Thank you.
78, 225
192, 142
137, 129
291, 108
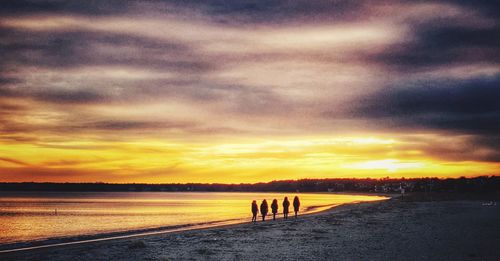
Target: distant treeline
388, 185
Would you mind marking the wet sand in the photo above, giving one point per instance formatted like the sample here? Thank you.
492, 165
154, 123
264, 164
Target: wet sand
388, 230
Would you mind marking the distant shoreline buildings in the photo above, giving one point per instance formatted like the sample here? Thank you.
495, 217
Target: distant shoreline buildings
385, 185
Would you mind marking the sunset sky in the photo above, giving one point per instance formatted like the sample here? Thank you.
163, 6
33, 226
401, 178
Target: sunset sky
248, 91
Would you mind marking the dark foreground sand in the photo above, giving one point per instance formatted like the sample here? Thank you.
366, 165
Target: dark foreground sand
389, 230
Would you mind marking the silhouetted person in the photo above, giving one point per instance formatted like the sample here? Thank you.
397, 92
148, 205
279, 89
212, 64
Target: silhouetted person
274, 208
286, 205
296, 205
264, 209
255, 210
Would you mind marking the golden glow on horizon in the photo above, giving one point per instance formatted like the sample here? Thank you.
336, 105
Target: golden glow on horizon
155, 161
391, 165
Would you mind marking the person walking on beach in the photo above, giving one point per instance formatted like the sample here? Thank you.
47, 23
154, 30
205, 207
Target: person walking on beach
255, 210
296, 205
264, 208
286, 205
274, 208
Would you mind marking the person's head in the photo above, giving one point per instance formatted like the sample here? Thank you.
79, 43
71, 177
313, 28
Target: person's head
286, 198
296, 198
275, 200
264, 201
254, 202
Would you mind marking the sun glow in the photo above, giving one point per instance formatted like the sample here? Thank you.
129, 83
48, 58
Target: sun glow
157, 161
391, 165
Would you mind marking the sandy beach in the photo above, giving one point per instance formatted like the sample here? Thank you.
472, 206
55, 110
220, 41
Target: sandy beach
387, 230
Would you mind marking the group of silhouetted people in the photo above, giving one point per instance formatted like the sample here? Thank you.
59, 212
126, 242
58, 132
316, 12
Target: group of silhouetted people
264, 208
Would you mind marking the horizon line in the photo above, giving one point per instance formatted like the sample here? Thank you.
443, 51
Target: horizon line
263, 182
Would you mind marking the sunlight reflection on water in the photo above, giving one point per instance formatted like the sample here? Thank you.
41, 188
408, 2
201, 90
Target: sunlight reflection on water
29, 216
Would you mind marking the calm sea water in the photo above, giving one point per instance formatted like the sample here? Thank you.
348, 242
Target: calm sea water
32, 216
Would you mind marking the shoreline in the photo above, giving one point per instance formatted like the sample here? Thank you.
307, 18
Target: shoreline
128, 234
394, 229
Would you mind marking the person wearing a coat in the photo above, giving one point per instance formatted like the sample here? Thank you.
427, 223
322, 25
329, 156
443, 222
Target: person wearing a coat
296, 205
264, 208
255, 210
274, 208
286, 205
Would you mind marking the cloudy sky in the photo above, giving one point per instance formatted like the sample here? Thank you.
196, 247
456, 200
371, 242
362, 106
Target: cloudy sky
248, 91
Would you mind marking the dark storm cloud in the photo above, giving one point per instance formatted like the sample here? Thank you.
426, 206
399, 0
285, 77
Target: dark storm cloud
468, 106
487, 7
436, 45
53, 95
467, 109
90, 7
78, 96
222, 10
491, 142
232, 12
276, 11
455, 147
71, 124
118, 125
131, 127
83, 48
8, 80
438, 41
237, 98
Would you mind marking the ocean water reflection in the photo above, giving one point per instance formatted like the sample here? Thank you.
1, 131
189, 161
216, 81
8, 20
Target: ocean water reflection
33, 216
